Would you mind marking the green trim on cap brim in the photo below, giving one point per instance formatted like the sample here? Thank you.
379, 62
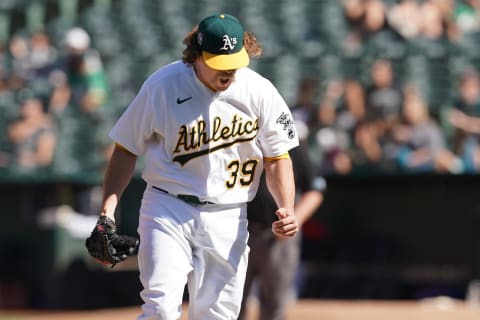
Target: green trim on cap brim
227, 61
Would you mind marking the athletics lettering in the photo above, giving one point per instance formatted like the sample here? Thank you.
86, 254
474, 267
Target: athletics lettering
226, 134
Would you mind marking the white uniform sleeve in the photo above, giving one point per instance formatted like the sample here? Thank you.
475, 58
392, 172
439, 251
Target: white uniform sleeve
277, 130
135, 126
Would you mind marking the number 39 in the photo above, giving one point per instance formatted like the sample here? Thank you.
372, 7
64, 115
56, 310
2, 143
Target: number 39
246, 172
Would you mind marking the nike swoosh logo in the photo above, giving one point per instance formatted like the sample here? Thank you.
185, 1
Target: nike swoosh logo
180, 101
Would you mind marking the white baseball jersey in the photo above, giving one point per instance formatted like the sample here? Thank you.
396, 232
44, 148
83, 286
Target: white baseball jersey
204, 143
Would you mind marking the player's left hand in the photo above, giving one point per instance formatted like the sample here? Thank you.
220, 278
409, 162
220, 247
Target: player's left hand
108, 247
287, 224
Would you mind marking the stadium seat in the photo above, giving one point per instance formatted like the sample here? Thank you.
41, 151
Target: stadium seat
68, 10
329, 66
327, 20
8, 5
8, 112
35, 15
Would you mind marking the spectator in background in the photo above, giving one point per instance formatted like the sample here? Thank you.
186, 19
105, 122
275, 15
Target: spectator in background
354, 13
84, 68
342, 105
466, 16
79, 101
305, 108
33, 140
375, 17
383, 103
32, 56
354, 100
465, 119
32, 136
421, 145
437, 28
8, 112
60, 98
43, 55
405, 18
19, 53
341, 109
426, 26
383, 95
90, 95
87, 90
366, 20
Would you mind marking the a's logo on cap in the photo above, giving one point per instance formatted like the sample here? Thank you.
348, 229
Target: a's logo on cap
228, 43
220, 38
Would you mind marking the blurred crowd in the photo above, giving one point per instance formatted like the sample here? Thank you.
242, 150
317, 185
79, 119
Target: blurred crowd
389, 119
383, 114
386, 128
53, 105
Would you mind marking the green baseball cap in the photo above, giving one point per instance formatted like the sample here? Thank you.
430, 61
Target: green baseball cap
220, 38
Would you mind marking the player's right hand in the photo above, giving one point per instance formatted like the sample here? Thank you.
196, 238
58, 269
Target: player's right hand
287, 224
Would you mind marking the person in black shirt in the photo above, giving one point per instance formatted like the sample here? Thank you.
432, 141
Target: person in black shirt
273, 262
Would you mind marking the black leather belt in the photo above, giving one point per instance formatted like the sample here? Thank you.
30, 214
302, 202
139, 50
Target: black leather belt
189, 198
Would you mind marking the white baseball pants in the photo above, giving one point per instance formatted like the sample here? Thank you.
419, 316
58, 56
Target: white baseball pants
204, 246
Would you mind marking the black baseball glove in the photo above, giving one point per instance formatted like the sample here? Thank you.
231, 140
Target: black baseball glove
108, 247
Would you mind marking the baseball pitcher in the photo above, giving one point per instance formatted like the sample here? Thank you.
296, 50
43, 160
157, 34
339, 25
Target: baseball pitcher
208, 126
